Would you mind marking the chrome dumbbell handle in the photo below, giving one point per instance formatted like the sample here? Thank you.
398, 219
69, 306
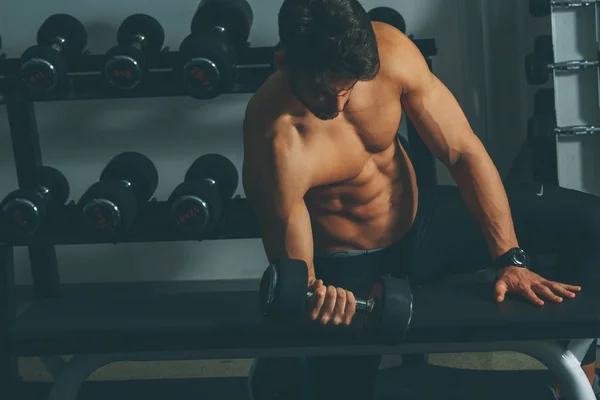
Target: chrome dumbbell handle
577, 130
573, 65
572, 3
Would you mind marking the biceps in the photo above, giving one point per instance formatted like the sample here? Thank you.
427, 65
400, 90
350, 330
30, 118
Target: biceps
440, 121
288, 234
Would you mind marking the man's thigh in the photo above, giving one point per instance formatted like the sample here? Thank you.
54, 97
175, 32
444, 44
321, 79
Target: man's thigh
447, 240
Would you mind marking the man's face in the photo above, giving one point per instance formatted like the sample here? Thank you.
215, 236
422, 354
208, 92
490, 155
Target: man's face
326, 103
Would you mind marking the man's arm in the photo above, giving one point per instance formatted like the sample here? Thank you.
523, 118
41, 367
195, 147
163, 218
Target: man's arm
275, 185
442, 125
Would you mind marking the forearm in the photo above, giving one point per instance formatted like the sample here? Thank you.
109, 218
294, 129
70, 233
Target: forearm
483, 192
290, 238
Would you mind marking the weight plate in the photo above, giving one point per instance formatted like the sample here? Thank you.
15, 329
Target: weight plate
283, 289
67, 27
394, 308
218, 168
56, 183
136, 169
145, 25
196, 206
235, 16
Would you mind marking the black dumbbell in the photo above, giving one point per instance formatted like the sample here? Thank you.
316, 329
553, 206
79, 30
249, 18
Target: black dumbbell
389, 16
23, 211
209, 55
283, 297
139, 37
543, 101
197, 204
61, 39
110, 206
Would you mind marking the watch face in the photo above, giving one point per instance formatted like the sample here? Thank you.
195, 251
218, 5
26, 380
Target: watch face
519, 257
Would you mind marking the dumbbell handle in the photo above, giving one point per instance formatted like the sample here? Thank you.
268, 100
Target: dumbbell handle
573, 65
361, 305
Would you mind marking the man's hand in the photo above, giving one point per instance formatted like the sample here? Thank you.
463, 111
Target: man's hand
529, 284
331, 305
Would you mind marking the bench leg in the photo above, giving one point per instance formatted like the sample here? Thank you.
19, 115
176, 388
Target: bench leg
72, 375
565, 365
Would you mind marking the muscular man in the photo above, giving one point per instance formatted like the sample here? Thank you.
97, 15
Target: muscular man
332, 185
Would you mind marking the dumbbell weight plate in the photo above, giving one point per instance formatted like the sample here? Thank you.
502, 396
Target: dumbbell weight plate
235, 16
67, 27
108, 207
282, 293
389, 16
125, 67
218, 168
55, 182
207, 66
43, 69
541, 126
135, 168
394, 308
536, 69
145, 25
196, 206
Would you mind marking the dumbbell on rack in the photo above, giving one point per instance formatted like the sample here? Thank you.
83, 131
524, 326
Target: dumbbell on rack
209, 55
544, 125
543, 8
197, 204
140, 36
538, 68
283, 296
44, 68
24, 211
389, 16
109, 207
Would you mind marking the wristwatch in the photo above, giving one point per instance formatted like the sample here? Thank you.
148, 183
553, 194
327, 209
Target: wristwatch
514, 257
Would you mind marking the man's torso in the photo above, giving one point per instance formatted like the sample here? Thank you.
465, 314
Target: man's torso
364, 194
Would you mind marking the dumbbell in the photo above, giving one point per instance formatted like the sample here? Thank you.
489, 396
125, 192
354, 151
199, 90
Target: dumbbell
541, 126
61, 39
538, 67
139, 37
543, 101
389, 16
208, 56
127, 182
283, 298
24, 211
197, 204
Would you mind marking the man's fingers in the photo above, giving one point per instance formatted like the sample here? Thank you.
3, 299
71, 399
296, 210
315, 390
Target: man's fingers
571, 287
501, 290
329, 305
318, 299
530, 294
545, 291
340, 306
350, 308
560, 289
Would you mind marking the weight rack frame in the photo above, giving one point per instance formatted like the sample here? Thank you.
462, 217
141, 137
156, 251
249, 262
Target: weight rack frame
85, 83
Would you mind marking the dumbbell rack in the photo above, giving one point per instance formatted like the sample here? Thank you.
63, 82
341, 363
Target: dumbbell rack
61, 227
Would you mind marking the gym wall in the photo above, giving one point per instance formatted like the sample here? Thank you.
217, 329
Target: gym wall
480, 60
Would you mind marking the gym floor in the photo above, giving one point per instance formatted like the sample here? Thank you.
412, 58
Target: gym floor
493, 376
456, 376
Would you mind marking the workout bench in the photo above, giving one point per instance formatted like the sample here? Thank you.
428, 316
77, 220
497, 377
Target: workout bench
136, 325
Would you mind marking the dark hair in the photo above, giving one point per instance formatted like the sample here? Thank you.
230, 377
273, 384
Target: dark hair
329, 39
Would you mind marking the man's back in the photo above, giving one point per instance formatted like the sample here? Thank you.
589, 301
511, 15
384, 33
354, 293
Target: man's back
356, 182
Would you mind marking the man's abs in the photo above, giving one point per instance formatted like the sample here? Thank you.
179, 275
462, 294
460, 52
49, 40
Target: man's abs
370, 211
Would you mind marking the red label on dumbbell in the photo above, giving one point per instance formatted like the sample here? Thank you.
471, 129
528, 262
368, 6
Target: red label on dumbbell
39, 76
201, 75
123, 73
191, 216
21, 217
198, 74
99, 219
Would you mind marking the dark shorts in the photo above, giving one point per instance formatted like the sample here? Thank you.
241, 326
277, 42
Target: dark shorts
445, 241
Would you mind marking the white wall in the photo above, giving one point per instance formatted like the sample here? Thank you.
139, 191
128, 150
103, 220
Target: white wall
577, 100
174, 131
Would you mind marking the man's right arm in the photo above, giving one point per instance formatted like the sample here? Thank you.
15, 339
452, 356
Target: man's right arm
275, 181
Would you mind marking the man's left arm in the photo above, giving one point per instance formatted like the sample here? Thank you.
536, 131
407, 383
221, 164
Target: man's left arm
444, 128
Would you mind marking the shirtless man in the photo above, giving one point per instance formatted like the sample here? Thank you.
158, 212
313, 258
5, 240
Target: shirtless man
332, 185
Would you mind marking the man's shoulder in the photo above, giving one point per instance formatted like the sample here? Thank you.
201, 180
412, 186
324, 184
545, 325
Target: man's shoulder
401, 60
